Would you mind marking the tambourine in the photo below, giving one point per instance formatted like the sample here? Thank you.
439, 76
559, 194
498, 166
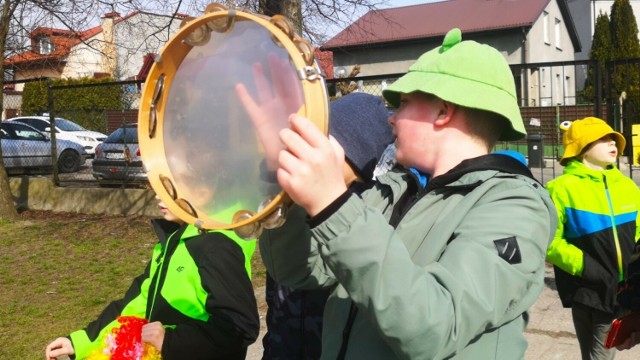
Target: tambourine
212, 106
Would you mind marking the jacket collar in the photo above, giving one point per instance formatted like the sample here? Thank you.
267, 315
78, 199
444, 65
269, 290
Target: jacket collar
498, 162
577, 168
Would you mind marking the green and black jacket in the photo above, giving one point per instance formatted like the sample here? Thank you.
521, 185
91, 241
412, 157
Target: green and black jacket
198, 286
597, 231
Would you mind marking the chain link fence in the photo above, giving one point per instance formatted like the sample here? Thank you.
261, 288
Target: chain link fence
78, 137
548, 93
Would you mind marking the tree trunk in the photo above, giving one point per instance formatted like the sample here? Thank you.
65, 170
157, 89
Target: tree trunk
7, 206
291, 9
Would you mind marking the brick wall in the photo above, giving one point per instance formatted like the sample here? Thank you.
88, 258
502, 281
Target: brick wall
547, 116
115, 119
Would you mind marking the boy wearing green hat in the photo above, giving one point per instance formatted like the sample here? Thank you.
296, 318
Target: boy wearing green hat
597, 229
445, 269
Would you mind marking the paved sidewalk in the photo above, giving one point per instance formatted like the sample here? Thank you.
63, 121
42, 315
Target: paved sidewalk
550, 332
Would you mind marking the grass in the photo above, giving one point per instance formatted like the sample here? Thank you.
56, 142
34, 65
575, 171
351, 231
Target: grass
58, 271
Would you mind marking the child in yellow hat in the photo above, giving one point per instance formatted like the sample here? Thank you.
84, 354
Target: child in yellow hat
597, 230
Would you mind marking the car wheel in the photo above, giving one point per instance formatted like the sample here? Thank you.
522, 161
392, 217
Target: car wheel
69, 161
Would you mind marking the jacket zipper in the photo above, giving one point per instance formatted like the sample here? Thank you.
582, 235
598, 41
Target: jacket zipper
158, 275
614, 228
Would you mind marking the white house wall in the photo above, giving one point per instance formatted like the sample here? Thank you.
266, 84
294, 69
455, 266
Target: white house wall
140, 35
548, 86
85, 59
135, 37
553, 50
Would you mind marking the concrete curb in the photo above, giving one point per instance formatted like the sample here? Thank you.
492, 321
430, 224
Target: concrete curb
39, 193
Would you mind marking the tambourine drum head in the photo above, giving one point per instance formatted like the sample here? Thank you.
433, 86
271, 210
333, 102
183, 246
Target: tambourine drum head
211, 147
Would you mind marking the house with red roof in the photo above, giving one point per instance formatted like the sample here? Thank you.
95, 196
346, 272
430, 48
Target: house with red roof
388, 41
116, 48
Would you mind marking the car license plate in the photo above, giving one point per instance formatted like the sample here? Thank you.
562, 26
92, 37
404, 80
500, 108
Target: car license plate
114, 155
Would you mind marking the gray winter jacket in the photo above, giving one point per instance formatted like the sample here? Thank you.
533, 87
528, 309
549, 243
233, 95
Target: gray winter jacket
452, 277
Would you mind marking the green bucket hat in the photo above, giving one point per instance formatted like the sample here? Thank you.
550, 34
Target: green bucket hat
465, 73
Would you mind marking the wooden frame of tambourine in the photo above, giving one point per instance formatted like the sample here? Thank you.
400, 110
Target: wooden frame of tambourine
158, 83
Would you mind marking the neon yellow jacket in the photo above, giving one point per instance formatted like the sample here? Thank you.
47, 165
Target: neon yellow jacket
597, 230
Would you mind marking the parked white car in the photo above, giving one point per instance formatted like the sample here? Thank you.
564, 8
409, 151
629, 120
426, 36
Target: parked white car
24, 149
66, 130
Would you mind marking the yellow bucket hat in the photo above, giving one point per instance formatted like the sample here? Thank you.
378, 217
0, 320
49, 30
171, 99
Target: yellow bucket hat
465, 73
580, 133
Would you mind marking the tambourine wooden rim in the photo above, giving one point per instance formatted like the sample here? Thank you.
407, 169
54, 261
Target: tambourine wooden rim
154, 99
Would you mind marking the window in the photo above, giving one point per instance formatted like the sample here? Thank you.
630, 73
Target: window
45, 46
557, 33
545, 26
123, 135
26, 133
40, 125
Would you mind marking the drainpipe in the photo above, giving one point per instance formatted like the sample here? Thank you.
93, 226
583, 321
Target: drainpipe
523, 60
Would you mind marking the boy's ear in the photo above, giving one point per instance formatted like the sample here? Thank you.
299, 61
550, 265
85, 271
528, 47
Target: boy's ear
445, 113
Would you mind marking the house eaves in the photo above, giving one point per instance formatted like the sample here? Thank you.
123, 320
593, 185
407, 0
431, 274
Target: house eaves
431, 20
30, 59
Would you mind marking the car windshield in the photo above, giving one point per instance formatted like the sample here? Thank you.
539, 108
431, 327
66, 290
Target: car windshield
123, 135
68, 125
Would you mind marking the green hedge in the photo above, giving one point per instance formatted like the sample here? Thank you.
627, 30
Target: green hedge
84, 105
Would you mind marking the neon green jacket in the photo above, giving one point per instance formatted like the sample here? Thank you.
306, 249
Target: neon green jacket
597, 230
198, 285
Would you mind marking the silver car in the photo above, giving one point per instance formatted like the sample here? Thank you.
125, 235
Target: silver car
65, 130
117, 159
25, 148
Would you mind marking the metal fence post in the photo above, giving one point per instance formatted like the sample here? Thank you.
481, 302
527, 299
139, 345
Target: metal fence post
52, 135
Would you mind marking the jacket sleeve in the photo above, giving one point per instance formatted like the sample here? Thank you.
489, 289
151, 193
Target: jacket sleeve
134, 303
566, 256
636, 193
434, 309
233, 323
291, 258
